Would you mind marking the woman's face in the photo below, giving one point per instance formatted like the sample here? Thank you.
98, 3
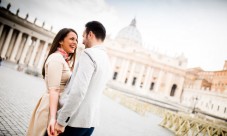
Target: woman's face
69, 44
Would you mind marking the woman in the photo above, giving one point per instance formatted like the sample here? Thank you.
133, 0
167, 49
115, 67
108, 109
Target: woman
56, 72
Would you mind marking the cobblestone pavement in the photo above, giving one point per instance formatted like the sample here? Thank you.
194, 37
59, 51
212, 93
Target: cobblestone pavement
19, 93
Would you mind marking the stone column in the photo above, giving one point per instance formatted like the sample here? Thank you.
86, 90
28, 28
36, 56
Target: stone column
16, 47
7, 42
113, 62
25, 50
138, 83
11, 45
180, 87
125, 71
159, 81
1, 29
20, 49
147, 79
31, 61
130, 77
168, 82
29, 52
121, 70
40, 63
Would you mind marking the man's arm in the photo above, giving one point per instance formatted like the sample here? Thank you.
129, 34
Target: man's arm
78, 89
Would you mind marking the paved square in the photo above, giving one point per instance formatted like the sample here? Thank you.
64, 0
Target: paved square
19, 93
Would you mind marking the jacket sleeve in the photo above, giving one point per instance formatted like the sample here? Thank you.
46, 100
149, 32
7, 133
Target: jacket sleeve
78, 89
54, 74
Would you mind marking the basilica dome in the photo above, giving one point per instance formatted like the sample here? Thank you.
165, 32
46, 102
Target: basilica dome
130, 35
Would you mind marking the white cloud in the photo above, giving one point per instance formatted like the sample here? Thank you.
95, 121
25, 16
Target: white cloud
66, 13
196, 28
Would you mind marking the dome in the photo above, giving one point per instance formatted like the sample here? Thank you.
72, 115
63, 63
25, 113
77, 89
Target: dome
130, 36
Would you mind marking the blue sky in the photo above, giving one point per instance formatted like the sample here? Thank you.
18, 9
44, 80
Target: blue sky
197, 28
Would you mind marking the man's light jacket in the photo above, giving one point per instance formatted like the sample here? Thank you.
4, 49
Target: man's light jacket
83, 93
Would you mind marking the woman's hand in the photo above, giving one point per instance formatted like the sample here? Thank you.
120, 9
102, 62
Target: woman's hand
50, 128
54, 97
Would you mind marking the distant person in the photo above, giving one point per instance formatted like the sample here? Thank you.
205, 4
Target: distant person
56, 72
81, 110
1, 60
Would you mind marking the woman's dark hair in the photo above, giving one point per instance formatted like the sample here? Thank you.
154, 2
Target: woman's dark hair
97, 28
55, 44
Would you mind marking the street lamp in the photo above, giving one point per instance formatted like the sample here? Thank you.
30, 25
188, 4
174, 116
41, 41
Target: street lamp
195, 99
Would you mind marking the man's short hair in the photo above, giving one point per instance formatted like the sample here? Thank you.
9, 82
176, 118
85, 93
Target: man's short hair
97, 28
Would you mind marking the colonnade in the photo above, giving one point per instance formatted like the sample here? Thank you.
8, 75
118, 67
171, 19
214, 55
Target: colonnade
22, 48
145, 77
22, 42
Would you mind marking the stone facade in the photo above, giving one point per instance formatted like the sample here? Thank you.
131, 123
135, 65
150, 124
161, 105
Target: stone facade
143, 70
23, 42
206, 101
212, 80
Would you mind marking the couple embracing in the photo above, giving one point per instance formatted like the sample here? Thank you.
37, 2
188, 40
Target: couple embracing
71, 105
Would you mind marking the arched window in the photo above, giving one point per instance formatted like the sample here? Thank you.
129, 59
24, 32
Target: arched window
152, 86
173, 90
134, 81
126, 80
115, 76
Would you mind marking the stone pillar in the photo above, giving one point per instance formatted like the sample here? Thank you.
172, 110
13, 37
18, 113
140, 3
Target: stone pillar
16, 47
25, 50
7, 42
11, 46
121, 70
168, 79
159, 81
147, 79
20, 49
125, 71
31, 61
138, 83
179, 89
29, 52
113, 62
130, 77
37, 57
41, 60
1, 29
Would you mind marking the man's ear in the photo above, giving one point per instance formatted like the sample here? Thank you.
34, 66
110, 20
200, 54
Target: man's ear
91, 34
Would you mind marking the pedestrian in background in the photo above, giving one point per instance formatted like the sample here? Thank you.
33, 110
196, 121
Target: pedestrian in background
0, 60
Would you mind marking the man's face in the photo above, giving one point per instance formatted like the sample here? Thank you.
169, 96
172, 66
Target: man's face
85, 39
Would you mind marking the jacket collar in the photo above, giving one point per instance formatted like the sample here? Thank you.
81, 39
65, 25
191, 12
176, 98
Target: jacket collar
99, 47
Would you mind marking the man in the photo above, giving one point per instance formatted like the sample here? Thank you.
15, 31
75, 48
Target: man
80, 112
0, 60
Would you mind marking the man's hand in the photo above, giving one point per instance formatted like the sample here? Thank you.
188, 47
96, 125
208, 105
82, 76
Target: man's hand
59, 128
50, 128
